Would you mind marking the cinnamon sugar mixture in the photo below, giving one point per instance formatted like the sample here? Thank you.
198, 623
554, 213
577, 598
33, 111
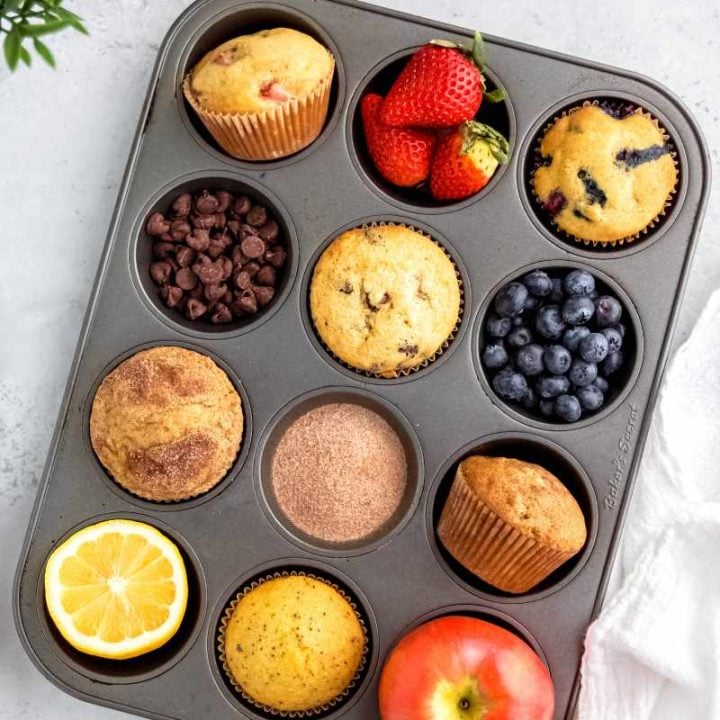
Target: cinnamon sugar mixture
339, 472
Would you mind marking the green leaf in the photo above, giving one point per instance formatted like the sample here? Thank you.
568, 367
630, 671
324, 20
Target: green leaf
50, 26
478, 49
71, 18
11, 6
11, 48
25, 56
44, 52
495, 96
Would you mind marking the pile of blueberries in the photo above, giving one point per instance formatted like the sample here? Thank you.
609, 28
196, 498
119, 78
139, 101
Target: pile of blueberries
553, 343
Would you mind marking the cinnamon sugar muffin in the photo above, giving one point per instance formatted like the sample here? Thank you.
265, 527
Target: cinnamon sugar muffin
166, 423
510, 522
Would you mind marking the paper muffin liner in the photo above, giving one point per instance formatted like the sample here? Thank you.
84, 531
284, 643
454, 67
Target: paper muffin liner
267, 709
390, 375
480, 540
271, 134
669, 202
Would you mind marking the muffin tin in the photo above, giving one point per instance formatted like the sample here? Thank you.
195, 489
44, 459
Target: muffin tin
443, 412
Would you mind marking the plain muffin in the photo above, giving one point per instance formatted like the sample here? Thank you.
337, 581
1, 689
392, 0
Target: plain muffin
293, 644
166, 423
510, 522
384, 298
606, 179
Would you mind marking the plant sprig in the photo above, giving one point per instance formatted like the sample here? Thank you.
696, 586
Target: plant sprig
26, 21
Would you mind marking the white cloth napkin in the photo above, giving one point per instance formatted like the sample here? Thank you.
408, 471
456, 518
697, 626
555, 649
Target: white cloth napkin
654, 652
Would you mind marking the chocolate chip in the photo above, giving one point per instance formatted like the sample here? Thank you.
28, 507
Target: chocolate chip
224, 200
241, 205
220, 220
234, 227
160, 272
173, 264
251, 267
171, 294
162, 250
182, 205
222, 314
267, 275
237, 257
203, 221
275, 256
185, 256
209, 274
186, 279
269, 231
216, 248
228, 297
197, 292
167, 237
247, 302
263, 294
179, 229
215, 291
257, 216
156, 225
227, 267
243, 280
253, 246
198, 240
206, 203
195, 308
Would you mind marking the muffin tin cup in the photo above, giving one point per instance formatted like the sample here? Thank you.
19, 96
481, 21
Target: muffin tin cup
232, 534
596, 245
265, 710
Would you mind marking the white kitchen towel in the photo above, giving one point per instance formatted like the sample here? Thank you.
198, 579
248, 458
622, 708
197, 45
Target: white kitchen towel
654, 652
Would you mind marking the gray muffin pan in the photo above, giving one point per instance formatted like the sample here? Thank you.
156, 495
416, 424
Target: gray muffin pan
442, 412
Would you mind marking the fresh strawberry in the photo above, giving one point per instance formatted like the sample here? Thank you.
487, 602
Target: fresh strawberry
401, 156
465, 161
442, 85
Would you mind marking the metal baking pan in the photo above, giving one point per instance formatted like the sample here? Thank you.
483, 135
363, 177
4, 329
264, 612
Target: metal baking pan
442, 412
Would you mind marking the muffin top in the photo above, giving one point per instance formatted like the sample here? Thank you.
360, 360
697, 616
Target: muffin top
293, 643
255, 73
529, 498
166, 423
608, 178
384, 298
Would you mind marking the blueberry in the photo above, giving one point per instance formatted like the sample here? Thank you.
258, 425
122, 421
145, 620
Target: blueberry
614, 339
529, 400
578, 282
510, 299
557, 359
572, 337
531, 303
557, 295
550, 386
582, 373
547, 408
590, 397
567, 408
519, 337
497, 326
538, 283
577, 310
518, 321
529, 360
601, 384
621, 329
612, 363
594, 348
608, 311
494, 356
510, 385
549, 322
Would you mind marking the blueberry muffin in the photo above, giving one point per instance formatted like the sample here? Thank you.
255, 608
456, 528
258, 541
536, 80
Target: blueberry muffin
263, 96
385, 299
166, 423
292, 644
510, 522
604, 179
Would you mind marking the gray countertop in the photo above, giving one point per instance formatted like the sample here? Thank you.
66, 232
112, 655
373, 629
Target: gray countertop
64, 139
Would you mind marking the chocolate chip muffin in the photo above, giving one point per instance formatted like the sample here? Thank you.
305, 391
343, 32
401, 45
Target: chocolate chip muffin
604, 179
292, 644
510, 522
385, 299
166, 423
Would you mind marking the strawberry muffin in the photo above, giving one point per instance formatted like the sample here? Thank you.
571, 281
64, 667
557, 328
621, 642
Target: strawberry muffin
263, 96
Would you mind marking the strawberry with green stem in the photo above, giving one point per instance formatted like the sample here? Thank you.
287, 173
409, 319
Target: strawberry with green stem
441, 86
465, 160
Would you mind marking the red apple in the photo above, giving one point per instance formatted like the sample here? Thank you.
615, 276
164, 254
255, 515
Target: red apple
463, 668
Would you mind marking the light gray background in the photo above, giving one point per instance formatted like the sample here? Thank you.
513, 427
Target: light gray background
64, 140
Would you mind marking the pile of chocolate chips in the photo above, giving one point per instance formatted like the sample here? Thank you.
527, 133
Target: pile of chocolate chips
218, 257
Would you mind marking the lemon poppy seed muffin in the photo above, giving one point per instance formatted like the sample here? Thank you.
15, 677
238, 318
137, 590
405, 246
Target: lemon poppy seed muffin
384, 298
510, 522
606, 179
292, 644
265, 95
166, 423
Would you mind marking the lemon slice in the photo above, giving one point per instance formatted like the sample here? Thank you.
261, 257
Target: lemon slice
116, 589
